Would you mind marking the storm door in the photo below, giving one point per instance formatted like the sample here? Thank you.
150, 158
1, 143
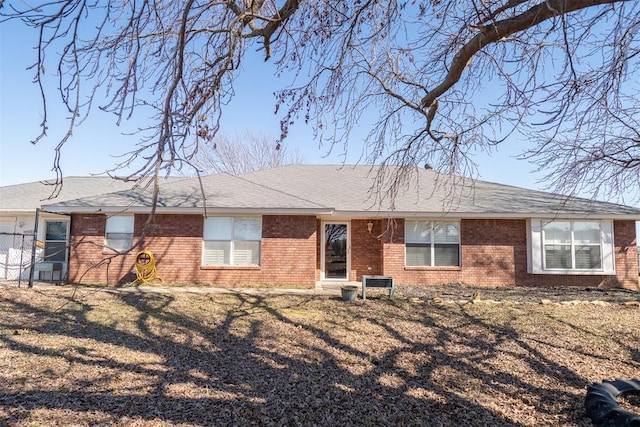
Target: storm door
335, 250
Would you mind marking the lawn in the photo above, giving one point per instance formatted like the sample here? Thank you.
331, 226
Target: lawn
89, 357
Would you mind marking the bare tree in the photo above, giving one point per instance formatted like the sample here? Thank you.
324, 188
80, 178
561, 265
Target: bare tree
242, 153
445, 79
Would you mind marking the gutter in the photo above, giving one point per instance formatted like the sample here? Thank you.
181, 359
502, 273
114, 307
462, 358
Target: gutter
191, 210
337, 213
485, 215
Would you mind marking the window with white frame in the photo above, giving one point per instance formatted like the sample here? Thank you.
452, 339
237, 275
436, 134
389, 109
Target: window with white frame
570, 247
232, 241
432, 243
119, 233
574, 245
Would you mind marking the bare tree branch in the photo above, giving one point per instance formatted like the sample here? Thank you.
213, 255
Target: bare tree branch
241, 153
496, 31
432, 82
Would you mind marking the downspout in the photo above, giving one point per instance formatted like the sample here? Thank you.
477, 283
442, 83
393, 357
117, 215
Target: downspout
33, 247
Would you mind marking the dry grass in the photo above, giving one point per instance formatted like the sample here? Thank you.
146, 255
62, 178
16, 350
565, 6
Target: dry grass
89, 357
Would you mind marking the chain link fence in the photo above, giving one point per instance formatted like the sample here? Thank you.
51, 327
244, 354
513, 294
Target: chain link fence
15, 258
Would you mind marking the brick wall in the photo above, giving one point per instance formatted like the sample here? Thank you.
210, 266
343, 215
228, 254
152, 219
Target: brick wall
287, 255
394, 261
88, 263
493, 253
626, 262
366, 249
288, 250
624, 236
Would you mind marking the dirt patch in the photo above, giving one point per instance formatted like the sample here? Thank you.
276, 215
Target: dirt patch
89, 357
536, 295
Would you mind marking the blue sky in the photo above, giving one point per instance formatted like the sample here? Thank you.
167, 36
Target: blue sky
97, 142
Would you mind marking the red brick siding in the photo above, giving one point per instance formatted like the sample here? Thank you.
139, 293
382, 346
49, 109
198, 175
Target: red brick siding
365, 252
88, 263
287, 253
626, 253
626, 263
392, 238
366, 249
625, 239
288, 250
176, 244
394, 261
493, 253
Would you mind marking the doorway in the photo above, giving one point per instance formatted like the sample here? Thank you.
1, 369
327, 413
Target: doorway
335, 250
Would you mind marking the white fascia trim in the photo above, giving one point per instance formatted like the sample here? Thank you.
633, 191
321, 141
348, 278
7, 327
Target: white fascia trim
20, 212
391, 214
332, 213
195, 210
483, 215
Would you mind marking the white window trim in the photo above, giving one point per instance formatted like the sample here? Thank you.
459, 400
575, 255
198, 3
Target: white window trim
121, 224
231, 241
433, 243
536, 254
65, 241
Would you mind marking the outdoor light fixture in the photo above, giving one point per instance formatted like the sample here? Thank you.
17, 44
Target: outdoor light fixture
369, 226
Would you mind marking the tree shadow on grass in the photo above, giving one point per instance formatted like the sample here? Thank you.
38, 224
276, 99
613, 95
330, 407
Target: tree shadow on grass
242, 360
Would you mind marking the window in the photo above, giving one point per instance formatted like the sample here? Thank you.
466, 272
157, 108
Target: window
232, 241
119, 233
432, 243
570, 247
55, 241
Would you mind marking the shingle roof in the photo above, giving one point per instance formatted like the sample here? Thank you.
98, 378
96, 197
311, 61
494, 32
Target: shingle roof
221, 192
353, 189
27, 197
349, 191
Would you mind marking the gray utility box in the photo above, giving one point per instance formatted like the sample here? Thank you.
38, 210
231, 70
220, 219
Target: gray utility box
378, 282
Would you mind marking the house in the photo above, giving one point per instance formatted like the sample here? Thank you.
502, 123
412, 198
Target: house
21, 219
300, 224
